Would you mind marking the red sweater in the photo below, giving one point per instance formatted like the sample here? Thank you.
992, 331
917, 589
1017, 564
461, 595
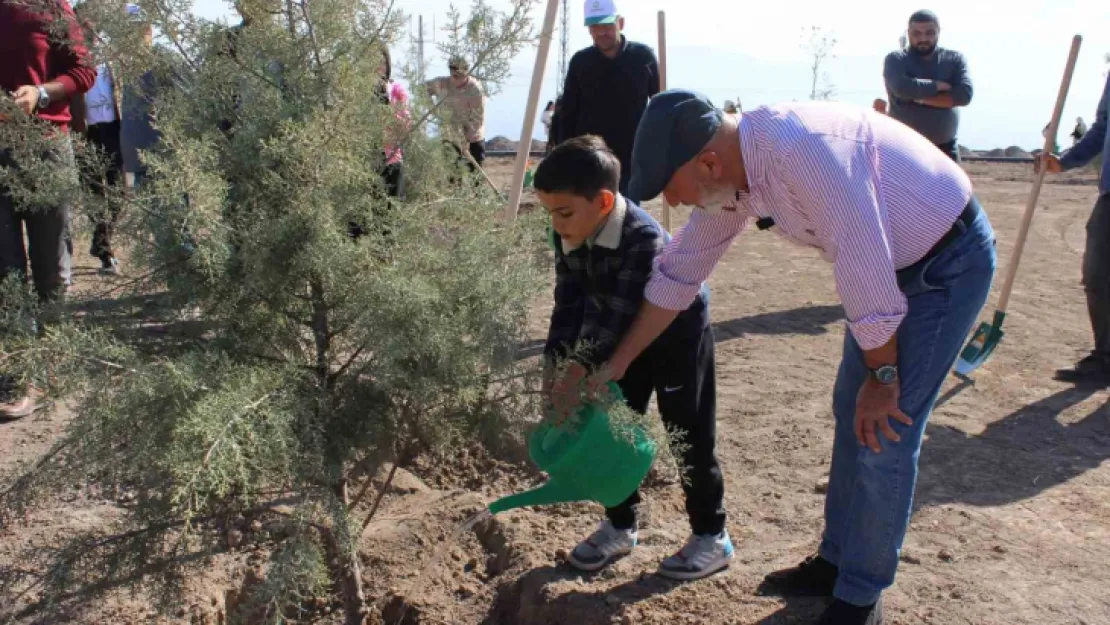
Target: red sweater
29, 55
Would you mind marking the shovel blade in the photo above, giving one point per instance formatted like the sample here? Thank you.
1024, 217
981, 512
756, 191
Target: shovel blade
981, 345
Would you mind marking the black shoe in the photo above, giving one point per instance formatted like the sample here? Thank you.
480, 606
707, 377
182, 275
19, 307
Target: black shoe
1091, 371
815, 577
844, 613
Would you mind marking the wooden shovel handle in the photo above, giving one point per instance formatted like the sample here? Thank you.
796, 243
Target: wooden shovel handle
663, 87
524, 147
1035, 192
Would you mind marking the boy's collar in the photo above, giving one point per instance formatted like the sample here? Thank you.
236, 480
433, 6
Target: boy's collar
609, 234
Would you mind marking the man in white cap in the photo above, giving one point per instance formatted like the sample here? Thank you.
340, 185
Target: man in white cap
608, 86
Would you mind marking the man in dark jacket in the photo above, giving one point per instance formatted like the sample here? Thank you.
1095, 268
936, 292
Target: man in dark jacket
608, 87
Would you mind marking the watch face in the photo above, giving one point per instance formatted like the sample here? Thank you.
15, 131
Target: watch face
887, 374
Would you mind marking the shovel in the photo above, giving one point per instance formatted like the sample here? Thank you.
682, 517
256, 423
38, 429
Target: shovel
987, 337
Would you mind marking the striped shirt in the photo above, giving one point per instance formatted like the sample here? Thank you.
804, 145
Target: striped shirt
872, 195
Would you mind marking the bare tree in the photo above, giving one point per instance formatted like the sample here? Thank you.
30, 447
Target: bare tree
819, 45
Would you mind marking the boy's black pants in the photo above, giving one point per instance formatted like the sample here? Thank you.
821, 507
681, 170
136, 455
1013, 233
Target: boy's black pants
678, 367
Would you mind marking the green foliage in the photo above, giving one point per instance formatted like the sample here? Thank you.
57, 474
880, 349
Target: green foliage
320, 356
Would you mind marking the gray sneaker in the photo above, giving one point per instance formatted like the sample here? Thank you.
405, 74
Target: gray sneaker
602, 547
109, 266
701, 557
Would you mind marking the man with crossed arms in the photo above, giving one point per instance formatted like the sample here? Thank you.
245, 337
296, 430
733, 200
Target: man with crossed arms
913, 257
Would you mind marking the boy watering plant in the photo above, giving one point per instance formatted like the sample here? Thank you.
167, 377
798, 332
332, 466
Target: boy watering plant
605, 247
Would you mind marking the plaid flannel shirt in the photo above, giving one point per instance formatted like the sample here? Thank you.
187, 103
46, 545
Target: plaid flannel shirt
599, 286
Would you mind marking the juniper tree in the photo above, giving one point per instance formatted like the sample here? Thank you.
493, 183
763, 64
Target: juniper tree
322, 357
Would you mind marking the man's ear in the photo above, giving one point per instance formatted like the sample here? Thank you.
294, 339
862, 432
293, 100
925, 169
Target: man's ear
607, 200
709, 165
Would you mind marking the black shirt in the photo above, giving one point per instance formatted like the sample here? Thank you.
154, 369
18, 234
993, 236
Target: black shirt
607, 97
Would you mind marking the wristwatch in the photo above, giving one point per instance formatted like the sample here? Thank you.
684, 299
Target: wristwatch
44, 98
886, 374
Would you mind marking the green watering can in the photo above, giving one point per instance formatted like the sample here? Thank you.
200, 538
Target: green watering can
591, 463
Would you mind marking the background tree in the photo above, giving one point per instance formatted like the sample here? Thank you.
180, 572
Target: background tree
316, 359
819, 46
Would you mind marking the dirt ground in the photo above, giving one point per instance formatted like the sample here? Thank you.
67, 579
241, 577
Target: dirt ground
1012, 519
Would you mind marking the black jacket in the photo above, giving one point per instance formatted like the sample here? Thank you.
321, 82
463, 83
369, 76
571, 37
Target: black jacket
607, 97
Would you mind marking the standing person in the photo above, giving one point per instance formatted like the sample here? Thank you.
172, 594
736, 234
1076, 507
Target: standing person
41, 72
556, 125
137, 129
926, 84
608, 85
1094, 368
604, 250
102, 122
912, 256
545, 118
396, 97
462, 94
1079, 130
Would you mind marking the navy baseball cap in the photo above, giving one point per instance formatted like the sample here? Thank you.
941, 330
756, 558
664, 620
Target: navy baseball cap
676, 126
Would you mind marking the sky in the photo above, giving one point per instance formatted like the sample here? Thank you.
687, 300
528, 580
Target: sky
727, 49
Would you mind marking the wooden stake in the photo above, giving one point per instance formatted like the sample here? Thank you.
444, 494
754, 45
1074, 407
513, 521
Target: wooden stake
525, 146
663, 87
662, 50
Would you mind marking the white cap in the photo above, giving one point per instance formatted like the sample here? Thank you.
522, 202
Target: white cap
601, 12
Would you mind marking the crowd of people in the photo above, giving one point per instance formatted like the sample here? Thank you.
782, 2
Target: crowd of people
59, 80
879, 193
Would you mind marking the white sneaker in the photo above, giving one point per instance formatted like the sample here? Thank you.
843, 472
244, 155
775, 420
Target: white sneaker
701, 557
602, 547
109, 267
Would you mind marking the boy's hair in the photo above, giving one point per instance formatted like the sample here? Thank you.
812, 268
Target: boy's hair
582, 166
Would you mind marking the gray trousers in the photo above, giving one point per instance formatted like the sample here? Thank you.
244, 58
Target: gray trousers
46, 235
1096, 276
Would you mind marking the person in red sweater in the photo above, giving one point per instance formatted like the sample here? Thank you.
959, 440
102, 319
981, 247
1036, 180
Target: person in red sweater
40, 72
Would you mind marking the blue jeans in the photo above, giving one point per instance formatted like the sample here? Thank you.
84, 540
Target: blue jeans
870, 496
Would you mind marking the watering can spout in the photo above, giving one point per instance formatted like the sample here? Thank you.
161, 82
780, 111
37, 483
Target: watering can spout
549, 493
589, 463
